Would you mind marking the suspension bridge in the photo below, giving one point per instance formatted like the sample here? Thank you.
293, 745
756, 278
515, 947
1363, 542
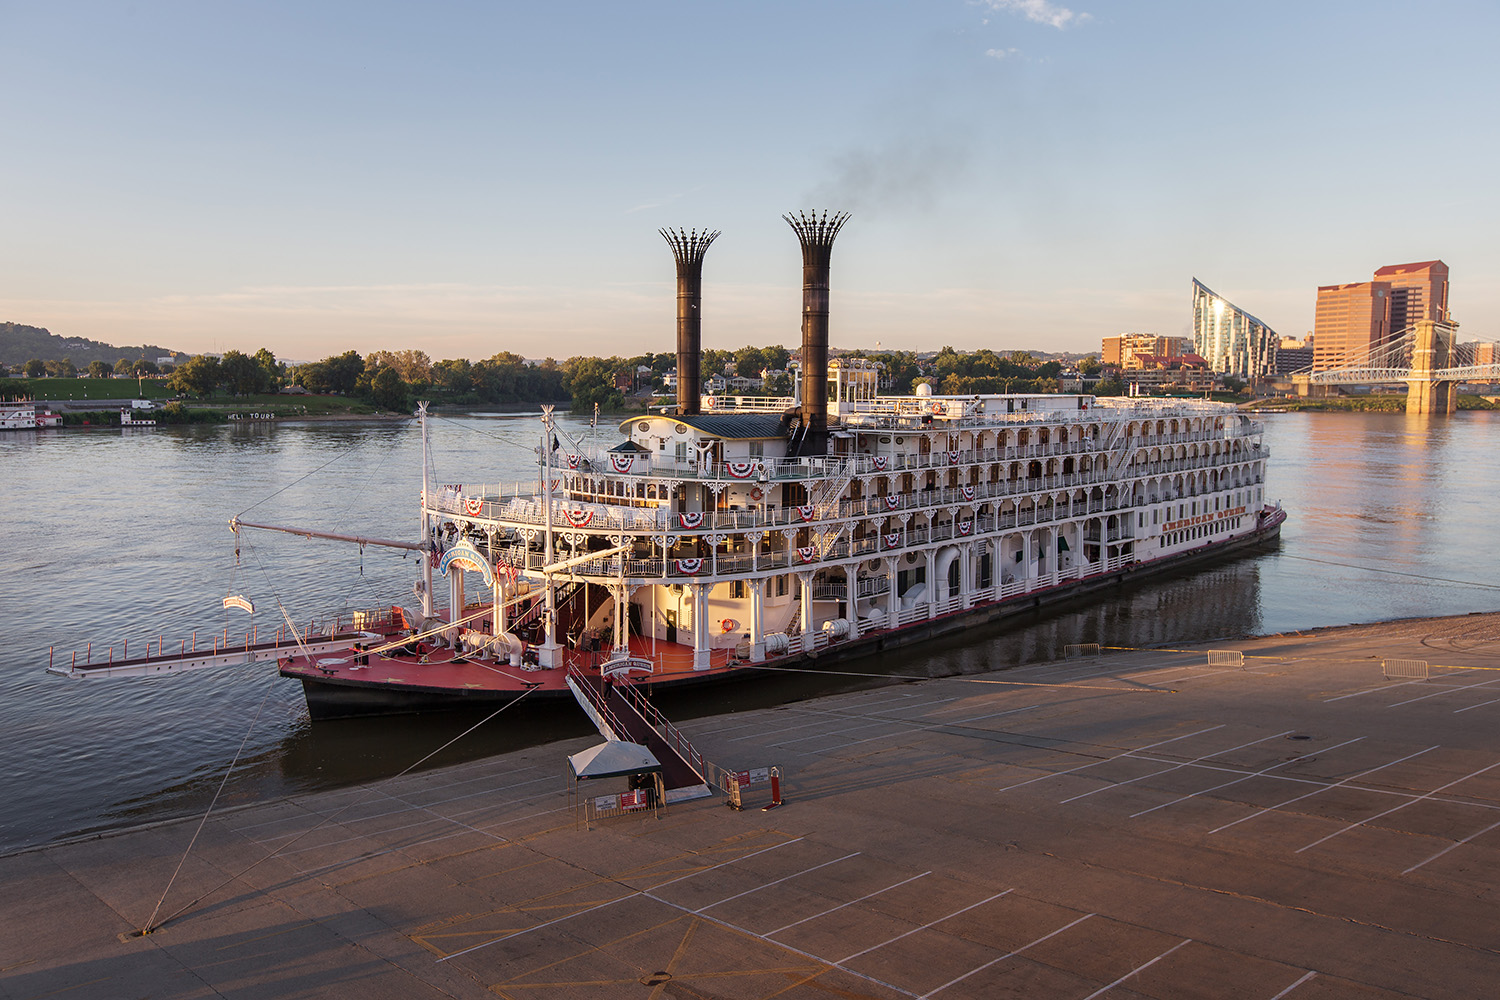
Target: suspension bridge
1426, 356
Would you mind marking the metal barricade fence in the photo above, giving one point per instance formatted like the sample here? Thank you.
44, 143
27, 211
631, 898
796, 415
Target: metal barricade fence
1078, 651
1405, 670
1226, 658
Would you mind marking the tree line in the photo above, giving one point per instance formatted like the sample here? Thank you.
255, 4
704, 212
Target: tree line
392, 380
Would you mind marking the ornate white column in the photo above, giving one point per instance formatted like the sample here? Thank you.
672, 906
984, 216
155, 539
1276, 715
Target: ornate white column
757, 619
804, 581
700, 626
851, 585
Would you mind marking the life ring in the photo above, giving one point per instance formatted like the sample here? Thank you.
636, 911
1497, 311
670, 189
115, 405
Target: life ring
937, 407
729, 625
757, 494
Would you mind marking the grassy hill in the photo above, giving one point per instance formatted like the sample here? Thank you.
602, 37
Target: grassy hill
20, 343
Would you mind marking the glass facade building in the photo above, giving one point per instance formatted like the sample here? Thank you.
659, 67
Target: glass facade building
1230, 339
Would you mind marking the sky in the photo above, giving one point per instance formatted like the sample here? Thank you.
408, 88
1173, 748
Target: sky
469, 178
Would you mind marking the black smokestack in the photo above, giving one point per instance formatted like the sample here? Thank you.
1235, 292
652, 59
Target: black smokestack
816, 233
689, 248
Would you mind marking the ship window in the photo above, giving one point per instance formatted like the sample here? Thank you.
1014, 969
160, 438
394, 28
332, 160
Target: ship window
781, 586
757, 449
737, 589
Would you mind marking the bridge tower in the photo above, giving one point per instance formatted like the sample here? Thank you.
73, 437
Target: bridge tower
1431, 352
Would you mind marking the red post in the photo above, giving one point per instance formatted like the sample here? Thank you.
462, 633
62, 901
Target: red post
775, 792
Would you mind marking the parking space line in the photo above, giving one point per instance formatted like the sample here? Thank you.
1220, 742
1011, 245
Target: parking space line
1176, 767
621, 899
1096, 763
1013, 954
934, 923
1480, 705
1419, 798
1305, 977
1456, 843
851, 902
1247, 777
1318, 791
768, 885
1139, 968
1446, 689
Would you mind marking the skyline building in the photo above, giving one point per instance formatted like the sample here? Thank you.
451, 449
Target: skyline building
1353, 320
1232, 341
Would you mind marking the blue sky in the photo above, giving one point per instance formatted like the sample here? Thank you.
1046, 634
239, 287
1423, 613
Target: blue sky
470, 178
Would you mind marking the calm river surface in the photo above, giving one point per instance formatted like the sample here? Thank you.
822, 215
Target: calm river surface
110, 535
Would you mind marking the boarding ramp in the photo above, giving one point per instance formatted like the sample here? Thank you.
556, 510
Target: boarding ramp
622, 712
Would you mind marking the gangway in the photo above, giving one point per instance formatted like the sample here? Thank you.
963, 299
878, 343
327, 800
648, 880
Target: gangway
621, 712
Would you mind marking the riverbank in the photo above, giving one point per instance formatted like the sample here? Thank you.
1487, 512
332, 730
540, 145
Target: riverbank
1392, 403
1299, 824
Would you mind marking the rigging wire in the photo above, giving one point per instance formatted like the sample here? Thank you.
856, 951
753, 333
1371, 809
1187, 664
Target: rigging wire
1394, 572
147, 927
299, 479
331, 816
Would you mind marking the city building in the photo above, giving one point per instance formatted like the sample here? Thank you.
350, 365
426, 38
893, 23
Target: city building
1294, 355
1352, 321
1126, 350
1230, 339
1418, 291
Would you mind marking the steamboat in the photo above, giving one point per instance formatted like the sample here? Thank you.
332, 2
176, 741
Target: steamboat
729, 536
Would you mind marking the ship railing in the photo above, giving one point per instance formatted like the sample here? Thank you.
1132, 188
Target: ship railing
159, 649
673, 736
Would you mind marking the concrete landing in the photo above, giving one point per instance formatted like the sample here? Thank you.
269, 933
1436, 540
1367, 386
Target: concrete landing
1141, 825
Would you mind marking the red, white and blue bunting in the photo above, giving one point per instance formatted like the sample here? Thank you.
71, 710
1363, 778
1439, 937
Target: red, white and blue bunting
964, 527
690, 520
892, 541
892, 501
967, 491
473, 505
572, 461
879, 461
740, 470
690, 567
807, 553
578, 518
621, 463
807, 513
953, 457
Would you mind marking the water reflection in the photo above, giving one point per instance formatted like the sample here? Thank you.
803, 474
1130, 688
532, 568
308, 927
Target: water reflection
113, 537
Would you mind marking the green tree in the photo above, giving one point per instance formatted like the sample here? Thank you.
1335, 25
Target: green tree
62, 369
124, 367
592, 380
388, 390
198, 376
36, 368
99, 369
241, 374
1088, 365
145, 367
339, 373
266, 362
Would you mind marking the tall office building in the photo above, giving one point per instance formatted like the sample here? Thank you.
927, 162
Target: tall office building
1418, 291
1230, 339
1352, 320
1128, 349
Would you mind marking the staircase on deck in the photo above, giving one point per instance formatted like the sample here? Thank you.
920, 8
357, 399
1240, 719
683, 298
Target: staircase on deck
622, 711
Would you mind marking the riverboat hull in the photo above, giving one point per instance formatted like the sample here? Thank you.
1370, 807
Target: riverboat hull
417, 688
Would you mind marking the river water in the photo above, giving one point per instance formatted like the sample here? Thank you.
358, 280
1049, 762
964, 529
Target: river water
120, 535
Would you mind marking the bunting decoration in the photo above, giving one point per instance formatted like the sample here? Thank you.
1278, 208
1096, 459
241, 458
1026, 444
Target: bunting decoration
807, 553
689, 567
621, 463
892, 501
964, 527
473, 506
572, 461
879, 462
953, 457
967, 491
807, 513
740, 470
892, 540
579, 518
690, 521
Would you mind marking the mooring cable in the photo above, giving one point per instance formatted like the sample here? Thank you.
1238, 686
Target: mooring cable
146, 928
149, 928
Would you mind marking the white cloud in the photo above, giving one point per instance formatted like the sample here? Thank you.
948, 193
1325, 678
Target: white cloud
1040, 11
1001, 53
